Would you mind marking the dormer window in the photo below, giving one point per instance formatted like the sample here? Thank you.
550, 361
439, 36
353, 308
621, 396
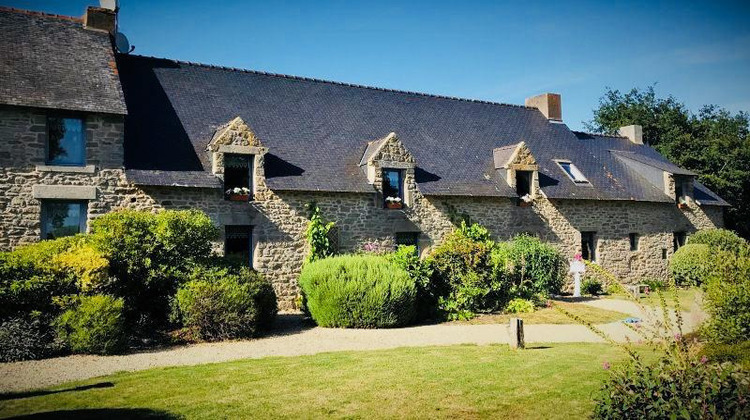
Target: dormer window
524, 182
682, 189
238, 177
66, 141
393, 188
572, 172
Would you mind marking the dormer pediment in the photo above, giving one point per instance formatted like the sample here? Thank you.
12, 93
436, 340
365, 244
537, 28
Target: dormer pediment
516, 156
387, 152
234, 137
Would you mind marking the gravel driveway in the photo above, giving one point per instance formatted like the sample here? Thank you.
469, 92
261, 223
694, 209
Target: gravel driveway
293, 338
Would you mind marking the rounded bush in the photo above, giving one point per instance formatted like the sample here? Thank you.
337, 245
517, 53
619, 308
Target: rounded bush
94, 325
25, 338
222, 303
721, 239
691, 264
727, 300
531, 265
358, 291
592, 286
519, 306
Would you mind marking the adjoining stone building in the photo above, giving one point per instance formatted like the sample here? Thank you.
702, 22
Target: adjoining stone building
85, 130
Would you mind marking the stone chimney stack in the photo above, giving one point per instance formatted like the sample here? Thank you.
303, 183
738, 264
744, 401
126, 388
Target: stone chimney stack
633, 132
100, 19
549, 104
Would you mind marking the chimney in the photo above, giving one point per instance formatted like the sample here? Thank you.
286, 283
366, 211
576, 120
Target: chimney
549, 104
633, 132
100, 19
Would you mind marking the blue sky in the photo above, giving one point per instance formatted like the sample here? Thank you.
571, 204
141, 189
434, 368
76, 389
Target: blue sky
491, 50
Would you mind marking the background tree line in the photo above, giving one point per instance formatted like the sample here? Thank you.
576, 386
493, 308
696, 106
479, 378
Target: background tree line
712, 142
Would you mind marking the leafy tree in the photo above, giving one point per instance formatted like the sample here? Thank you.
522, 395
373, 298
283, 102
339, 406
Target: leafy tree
713, 142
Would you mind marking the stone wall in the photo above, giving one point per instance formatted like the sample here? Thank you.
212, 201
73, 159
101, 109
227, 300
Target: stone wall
279, 218
23, 136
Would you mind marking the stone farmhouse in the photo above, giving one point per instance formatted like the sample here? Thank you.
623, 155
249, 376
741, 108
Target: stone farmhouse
85, 130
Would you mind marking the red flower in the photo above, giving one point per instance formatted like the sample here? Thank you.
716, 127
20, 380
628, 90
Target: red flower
606, 366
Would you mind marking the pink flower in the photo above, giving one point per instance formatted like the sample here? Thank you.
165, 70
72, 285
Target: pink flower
606, 366
578, 257
677, 337
704, 359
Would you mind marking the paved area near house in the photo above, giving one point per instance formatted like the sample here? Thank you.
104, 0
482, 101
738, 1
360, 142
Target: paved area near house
293, 338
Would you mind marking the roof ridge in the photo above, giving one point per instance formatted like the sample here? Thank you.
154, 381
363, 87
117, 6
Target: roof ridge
333, 82
40, 14
598, 134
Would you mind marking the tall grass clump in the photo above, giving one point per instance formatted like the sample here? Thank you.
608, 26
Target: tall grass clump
358, 291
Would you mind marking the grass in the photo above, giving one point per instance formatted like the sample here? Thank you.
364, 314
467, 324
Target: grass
689, 298
555, 381
553, 316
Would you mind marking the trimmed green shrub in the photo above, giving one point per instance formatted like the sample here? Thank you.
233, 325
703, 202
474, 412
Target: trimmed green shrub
223, 303
407, 258
358, 291
32, 275
531, 266
721, 239
26, 338
519, 306
592, 286
463, 277
734, 353
149, 254
727, 300
93, 325
675, 388
691, 264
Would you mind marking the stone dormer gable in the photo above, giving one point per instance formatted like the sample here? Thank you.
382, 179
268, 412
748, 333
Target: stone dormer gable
387, 152
516, 161
234, 137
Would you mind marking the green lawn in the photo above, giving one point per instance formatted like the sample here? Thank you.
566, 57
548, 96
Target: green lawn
689, 298
555, 381
553, 316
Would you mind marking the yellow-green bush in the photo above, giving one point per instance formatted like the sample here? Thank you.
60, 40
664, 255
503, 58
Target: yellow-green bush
727, 300
692, 264
358, 291
94, 325
720, 239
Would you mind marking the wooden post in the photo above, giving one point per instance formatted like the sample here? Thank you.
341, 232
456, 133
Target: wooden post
516, 333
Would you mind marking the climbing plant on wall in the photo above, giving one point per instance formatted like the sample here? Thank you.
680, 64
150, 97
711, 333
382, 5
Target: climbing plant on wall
318, 235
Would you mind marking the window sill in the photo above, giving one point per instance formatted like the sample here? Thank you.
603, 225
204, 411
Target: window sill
88, 169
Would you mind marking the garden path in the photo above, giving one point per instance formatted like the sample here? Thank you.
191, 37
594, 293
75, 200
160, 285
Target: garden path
293, 337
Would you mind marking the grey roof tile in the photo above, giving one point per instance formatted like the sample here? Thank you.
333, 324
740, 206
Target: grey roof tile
51, 61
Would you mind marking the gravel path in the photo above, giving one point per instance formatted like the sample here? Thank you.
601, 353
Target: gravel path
293, 338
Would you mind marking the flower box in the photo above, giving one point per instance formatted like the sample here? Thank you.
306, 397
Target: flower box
394, 204
525, 203
239, 197
682, 206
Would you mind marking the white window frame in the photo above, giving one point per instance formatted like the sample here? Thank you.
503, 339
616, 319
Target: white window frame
578, 176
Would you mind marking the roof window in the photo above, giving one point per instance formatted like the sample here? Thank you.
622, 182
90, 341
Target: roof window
573, 172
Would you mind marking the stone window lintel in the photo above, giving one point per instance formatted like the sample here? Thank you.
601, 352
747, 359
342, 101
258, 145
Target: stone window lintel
88, 169
63, 192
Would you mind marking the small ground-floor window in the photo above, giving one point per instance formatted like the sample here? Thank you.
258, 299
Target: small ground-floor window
238, 243
588, 246
407, 239
634, 239
679, 240
63, 218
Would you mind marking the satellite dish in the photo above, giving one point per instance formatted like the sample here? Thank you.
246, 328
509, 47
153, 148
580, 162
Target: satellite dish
109, 4
122, 43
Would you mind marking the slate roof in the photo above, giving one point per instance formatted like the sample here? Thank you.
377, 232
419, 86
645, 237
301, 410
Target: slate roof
318, 131
51, 61
194, 179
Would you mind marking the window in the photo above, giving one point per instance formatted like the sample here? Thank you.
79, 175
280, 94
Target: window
588, 246
573, 173
523, 182
238, 179
664, 253
407, 239
681, 188
238, 243
679, 240
63, 218
634, 241
393, 188
66, 141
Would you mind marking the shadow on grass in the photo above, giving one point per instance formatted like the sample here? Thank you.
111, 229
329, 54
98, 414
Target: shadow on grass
537, 347
42, 392
102, 413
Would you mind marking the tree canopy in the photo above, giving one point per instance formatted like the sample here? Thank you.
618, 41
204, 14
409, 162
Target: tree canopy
712, 142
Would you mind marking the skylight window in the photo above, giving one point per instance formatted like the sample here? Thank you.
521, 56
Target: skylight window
573, 173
